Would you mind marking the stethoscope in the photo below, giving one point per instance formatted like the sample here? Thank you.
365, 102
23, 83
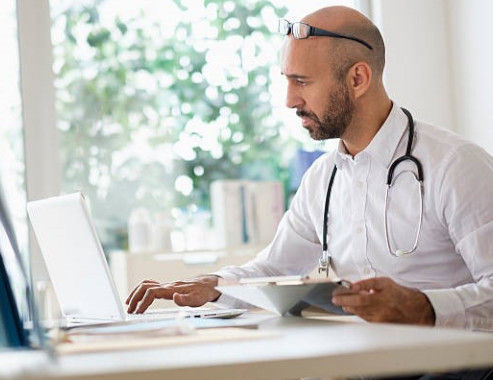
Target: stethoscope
326, 258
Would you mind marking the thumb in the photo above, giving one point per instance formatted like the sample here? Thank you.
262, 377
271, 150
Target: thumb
181, 299
189, 299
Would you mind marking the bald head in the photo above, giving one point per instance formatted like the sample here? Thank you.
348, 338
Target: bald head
335, 82
344, 53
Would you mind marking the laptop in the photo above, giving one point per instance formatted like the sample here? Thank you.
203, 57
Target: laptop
78, 268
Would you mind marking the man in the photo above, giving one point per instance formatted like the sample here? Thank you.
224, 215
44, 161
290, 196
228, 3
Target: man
335, 85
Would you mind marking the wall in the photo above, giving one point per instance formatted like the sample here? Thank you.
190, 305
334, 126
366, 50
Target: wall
438, 55
417, 75
471, 33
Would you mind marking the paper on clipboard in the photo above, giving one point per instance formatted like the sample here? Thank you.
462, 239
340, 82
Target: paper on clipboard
285, 294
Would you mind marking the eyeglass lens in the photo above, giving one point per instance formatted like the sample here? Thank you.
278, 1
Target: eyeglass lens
284, 26
300, 30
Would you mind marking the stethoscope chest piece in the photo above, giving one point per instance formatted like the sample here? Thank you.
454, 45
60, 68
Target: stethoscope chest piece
324, 263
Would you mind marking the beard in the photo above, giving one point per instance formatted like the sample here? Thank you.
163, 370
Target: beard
336, 117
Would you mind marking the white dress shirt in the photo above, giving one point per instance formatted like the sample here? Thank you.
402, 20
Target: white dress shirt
453, 263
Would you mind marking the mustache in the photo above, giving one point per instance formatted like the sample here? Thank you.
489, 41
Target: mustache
302, 113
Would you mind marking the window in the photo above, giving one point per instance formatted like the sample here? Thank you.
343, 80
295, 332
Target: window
11, 138
12, 166
156, 100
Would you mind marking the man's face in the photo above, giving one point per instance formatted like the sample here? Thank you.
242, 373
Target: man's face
322, 101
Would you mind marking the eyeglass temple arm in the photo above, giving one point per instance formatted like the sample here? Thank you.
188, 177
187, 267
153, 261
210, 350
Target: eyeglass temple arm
320, 32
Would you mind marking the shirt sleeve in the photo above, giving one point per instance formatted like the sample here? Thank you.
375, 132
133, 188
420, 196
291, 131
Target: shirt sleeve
466, 204
295, 248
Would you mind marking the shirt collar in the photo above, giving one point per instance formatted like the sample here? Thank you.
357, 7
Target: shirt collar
341, 155
384, 144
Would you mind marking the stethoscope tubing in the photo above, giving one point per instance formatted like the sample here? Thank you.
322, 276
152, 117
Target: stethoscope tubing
325, 260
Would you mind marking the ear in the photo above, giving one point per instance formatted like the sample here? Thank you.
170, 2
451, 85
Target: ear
359, 77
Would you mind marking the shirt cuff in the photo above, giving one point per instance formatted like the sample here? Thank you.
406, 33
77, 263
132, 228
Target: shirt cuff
227, 301
224, 275
449, 309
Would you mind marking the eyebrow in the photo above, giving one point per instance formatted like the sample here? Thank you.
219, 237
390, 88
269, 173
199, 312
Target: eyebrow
295, 76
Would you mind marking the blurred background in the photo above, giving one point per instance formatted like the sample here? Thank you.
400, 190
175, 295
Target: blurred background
144, 106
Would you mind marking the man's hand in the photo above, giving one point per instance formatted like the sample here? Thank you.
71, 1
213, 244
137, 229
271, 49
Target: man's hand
194, 293
382, 300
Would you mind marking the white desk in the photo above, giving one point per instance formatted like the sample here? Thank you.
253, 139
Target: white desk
303, 348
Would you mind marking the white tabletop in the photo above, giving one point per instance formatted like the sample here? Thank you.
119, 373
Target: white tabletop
301, 348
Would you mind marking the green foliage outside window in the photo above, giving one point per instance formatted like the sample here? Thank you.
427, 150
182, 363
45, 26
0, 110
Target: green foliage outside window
137, 110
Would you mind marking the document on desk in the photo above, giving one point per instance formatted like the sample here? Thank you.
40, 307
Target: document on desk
287, 294
77, 344
167, 326
161, 333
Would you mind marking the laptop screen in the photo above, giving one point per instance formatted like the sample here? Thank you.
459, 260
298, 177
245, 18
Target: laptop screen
12, 333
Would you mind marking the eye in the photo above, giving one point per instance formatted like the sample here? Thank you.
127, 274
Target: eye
301, 82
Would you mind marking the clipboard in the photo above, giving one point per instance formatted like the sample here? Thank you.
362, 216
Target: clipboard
287, 294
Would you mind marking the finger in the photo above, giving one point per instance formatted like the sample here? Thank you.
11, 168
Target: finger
174, 283
340, 291
138, 295
127, 301
348, 309
150, 295
165, 292
360, 299
370, 314
377, 283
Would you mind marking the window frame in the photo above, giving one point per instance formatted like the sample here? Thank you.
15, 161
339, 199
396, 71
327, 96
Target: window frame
41, 140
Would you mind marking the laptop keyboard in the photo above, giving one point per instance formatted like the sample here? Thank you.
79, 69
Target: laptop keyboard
150, 316
185, 312
156, 315
170, 313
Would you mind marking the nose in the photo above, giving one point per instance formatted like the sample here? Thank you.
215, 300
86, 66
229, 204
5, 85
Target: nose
293, 98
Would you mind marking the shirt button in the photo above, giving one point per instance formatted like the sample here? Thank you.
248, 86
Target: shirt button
359, 184
359, 230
